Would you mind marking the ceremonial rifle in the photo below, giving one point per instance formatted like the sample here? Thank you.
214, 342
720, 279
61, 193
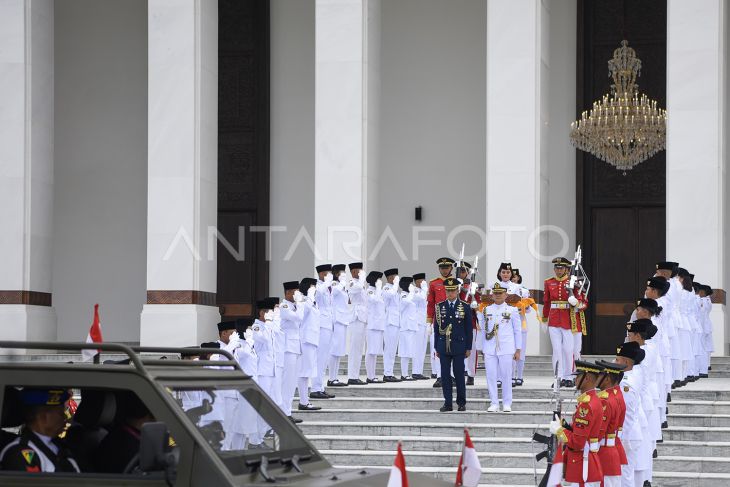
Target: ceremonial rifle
550, 442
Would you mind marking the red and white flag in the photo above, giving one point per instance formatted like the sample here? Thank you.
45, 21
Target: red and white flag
398, 475
470, 470
556, 471
94, 336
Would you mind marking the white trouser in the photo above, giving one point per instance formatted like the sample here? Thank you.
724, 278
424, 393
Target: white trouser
519, 370
419, 351
435, 362
470, 362
276, 387
587, 484
499, 367
404, 366
323, 357
612, 481
389, 348
370, 365
334, 367
357, 344
266, 383
303, 388
289, 382
563, 344
577, 345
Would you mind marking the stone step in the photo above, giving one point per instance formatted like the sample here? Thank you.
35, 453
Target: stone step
526, 476
480, 415
498, 459
314, 426
501, 444
522, 404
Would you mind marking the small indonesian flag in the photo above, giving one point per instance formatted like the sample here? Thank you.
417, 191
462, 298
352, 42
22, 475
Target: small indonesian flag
94, 336
470, 470
556, 471
398, 475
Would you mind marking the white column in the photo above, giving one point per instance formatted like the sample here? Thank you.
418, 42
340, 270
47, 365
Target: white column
515, 68
696, 163
26, 169
339, 181
182, 173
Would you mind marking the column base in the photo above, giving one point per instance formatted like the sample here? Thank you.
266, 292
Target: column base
25, 322
719, 331
178, 325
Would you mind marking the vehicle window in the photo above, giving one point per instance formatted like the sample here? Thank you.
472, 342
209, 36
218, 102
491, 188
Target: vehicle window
241, 425
69, 430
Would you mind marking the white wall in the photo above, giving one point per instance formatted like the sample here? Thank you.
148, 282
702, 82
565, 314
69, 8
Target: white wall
292, 138
99, 239
432, 126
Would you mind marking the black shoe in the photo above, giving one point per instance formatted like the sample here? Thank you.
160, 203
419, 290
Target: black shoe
437, 383
356, 382
390, 378
407, 378
419, 377
569, 384
519, 382
433, 376
308, 407
665, 425
336, 383
499, 383
647, 483
655, 454
675, 384
704, 376
375, 381
445, 408
709, 368
562, 383
329, 396
692, 378
514, 382
669, 397
462, 408
318, 395
295, 420
470, 381
660, 440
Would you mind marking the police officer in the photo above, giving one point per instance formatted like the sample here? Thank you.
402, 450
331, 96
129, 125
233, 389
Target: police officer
453, 338
38, 448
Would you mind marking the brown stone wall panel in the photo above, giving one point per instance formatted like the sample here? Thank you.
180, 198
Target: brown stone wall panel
181, 297
31, 298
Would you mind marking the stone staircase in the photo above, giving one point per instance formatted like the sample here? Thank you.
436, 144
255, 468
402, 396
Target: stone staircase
362, 425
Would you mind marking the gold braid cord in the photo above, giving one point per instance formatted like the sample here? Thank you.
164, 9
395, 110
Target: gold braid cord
444, 331
495, 330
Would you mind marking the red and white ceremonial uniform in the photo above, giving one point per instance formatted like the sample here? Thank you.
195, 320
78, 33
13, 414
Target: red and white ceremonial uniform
609, 454
436, 294
578, 323
557, 312
581, 445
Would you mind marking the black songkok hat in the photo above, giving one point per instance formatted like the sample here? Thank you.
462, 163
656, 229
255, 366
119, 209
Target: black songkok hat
355, 265
390, 272
323, 268
405, 282
289, 285
633, 351
648, 304
226, 325
373, 276
420, 275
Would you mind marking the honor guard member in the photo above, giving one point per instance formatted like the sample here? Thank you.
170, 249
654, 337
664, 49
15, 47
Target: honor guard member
343, 318
668, 270
309, 336
376, 324
408, 326
273, 321
578, 304
501, 344
358, 300
38, 448
264, 346
647, 308
504, 278
556, 313
436, 294
392, 323
630, 354
453, 337
292, 314
527, 307
612, 454
422, 334
323, 296
705, 292
226, 329
581, 438
468, 295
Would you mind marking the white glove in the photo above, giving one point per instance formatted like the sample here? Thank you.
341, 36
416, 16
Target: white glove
411, 288
424, 286
277, 313
248, 336
572, 300
461, 281
554, 426
234, 341
269, 315
328, 277
298, 296
342, 279
474, 305
311, 292
473, 288
396, 280
360, 274
379, 284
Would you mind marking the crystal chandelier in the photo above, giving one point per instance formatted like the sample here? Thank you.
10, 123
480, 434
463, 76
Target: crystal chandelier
624, 128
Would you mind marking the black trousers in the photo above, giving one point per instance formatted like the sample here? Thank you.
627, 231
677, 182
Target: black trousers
458, 362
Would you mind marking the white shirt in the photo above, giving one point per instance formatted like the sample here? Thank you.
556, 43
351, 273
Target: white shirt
508, 338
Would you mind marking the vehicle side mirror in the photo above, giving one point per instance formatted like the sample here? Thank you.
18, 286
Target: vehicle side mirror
155, 454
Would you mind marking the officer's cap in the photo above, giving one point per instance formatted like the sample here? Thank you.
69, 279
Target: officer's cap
610, 367
44, 397
638, 326
561, 262
583, 366
648, 304
445, 262
497, 288
633, 351
659, 283
505, 266
451, 284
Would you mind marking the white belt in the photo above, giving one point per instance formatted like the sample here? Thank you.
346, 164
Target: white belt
610, 441
595, 446
559, 305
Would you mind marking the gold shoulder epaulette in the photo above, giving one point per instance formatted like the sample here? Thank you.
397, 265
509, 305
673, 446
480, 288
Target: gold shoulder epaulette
603, 395
584, 398
436, 279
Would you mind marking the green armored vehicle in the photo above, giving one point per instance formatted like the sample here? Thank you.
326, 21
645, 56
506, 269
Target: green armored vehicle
182, 442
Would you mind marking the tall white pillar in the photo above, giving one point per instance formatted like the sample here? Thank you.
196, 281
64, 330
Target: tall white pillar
696, 162
26, 169
516, 65
340, 200
182, 173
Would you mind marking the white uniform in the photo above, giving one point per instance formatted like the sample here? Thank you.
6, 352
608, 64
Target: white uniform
707, 345
263, 342
392, 325
356, 330
407, 331
291, 320
375, 328
420, 300
279, 349
635, 440
504, 321
323, 297
246, 426
343, 317
519, 365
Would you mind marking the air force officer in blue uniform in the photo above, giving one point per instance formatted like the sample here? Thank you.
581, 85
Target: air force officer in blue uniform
453, 339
